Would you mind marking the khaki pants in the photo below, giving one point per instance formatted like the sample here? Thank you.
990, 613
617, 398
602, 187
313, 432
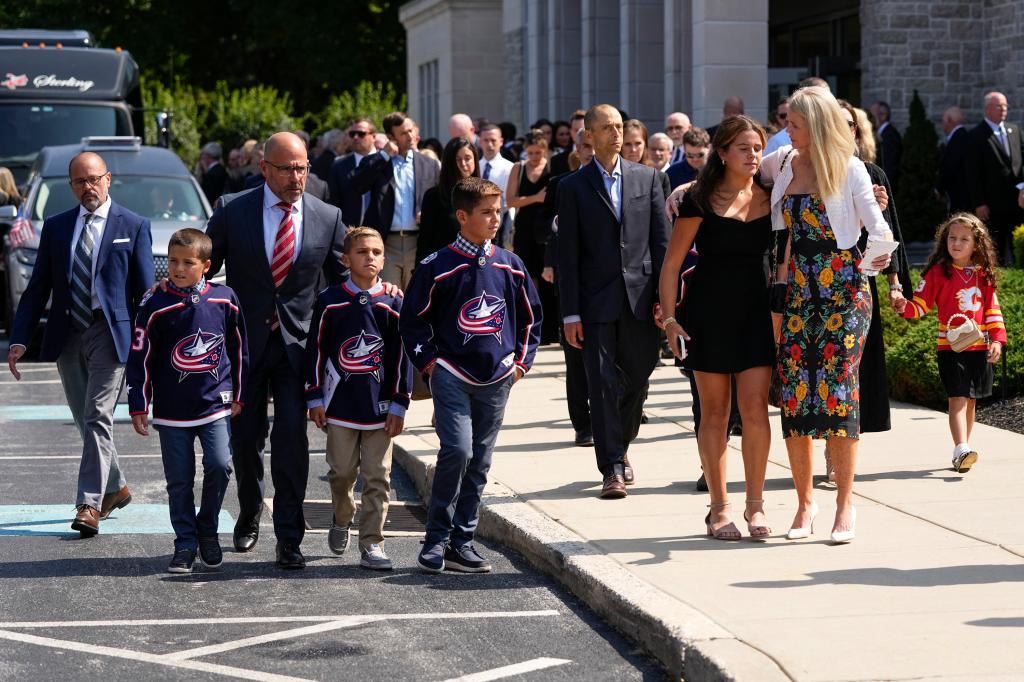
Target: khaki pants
349, 453
399, 258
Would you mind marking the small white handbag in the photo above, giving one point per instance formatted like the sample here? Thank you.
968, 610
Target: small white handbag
963, 336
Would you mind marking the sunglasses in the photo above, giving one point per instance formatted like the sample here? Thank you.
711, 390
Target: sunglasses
697, 155
357, 133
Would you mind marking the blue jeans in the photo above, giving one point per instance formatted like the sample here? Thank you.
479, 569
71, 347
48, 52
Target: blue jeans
179, 457
468, 418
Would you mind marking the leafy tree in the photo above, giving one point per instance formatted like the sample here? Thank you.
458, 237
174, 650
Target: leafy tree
372, 100
243, 113
919, 210
183, 103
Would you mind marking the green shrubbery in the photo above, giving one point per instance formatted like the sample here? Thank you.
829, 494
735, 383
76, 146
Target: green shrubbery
910, 346
232, 115
1018, 246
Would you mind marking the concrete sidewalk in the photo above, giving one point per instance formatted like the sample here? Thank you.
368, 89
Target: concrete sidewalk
933, 586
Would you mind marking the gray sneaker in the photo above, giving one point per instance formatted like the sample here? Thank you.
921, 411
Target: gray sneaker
374, 558
337, 538
965, 461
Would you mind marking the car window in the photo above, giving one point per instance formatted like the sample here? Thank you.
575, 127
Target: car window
156, 198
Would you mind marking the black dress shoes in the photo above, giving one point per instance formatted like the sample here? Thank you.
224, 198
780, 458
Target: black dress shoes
289, 556
246, 535
584, 438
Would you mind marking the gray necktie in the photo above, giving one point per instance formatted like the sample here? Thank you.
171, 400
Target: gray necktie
81, 276
1003, 139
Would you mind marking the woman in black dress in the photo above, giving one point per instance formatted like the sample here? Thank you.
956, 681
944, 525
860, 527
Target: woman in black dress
726, 322
438, 225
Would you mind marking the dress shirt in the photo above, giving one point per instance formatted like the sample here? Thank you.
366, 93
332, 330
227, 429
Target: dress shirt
405, 193
272, 217
98, 224
500, 168
1000, 130
613, 185
881, 128
953, 132
779, 139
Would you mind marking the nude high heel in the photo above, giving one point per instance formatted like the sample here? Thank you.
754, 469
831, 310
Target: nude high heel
756, 532
842, 537
722, 532
801, 533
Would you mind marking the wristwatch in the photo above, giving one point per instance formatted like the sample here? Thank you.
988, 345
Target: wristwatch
896, 286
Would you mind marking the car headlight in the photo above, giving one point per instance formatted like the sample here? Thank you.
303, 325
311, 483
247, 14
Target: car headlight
26, 256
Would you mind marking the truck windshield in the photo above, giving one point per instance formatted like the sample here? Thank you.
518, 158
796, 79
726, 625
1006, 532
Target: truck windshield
26, 127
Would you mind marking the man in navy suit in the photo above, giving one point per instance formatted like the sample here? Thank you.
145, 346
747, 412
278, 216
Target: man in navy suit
397, 178
96, 260
281, 247
612, 236
339, 181
952, 178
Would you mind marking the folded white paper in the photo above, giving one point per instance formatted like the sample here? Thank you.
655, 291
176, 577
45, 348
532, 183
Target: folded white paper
875, 249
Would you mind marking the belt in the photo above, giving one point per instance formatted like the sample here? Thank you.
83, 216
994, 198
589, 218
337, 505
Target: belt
403, 233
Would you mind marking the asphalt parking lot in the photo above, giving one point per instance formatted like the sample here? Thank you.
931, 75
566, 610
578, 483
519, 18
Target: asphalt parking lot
105, 607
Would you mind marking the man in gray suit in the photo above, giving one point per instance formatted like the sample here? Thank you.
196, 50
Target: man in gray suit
281, 247
397, 178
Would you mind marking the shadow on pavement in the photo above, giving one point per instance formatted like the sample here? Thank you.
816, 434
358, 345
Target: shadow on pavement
893, 577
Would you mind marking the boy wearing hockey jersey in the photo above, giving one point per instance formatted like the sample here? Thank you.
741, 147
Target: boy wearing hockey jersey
471, 323
358, 385
189, 361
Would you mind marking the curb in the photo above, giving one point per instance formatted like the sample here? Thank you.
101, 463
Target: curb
686, 642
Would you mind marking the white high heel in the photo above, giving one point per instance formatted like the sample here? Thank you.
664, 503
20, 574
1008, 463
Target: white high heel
801, 533
844, 536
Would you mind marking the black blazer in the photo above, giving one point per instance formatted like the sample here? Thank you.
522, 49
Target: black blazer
992, 175
560, 163
321, 166
215, 182
374, 175
602, 261
952, 180
438, 225
341, 192
236, 229
890, 153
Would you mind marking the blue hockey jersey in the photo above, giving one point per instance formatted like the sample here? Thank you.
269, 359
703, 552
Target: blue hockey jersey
475, 314
189, 357
356, 367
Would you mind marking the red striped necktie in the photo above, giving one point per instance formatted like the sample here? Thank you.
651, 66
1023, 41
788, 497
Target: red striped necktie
283, 253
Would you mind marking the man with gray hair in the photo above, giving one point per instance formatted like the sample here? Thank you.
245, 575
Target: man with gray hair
333, 141
215, 177
891, 147
952, 181
676, 125
461, 125
659, 148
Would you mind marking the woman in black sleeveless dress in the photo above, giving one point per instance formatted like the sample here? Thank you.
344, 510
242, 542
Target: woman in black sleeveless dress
726, 322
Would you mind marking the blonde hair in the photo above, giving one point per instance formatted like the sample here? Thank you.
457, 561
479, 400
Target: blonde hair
831, 144
865, 136
7, 184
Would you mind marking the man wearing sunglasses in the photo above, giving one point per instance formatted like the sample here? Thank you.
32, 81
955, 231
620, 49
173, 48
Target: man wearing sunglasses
696, 147
96, 260
353, 205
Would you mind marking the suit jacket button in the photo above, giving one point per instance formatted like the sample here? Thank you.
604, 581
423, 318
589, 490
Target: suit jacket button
623, 269
622, 244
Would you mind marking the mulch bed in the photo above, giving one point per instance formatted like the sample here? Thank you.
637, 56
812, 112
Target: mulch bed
1005, 414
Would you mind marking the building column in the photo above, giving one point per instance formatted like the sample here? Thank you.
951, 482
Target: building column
642, 60
599, 45
537, 59
564, 58
513, 26
730, 57
678, 49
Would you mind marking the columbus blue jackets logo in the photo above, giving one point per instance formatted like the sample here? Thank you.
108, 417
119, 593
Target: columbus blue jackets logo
198, 353
484, 314
362, 354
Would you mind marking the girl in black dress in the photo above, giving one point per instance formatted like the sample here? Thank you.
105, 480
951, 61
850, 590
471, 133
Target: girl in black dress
726, 322
438, 225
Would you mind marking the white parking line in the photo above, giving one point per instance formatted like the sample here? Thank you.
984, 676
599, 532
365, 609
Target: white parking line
348, 622
510, 670
99, 650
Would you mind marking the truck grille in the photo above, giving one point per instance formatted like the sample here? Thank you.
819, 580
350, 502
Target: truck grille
159, 268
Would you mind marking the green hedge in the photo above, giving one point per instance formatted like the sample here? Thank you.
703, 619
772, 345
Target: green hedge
910, 346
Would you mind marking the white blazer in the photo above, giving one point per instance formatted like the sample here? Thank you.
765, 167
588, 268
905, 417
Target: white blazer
853, 205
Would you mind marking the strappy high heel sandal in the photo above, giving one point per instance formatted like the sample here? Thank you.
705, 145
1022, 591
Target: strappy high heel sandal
756, 532
722, 532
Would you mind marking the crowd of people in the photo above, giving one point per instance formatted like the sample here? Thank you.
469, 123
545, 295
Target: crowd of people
374, 266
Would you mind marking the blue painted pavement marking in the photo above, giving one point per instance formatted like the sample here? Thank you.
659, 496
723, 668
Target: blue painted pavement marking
10, 413
55, 519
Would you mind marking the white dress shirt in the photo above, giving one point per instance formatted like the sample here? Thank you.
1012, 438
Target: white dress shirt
1000, 132
98, 223
272, 216
500, 169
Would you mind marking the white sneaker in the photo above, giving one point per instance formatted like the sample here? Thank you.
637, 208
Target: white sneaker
374, 558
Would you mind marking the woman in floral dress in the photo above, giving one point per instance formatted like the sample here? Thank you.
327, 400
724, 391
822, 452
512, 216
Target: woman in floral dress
821, 195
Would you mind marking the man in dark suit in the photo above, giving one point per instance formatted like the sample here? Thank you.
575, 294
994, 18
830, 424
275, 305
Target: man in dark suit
339, 180
612, 236
281, 247
891, 143
96, 261
215, 176
994, 171
333, 141
952, 179
696, 147
397, 178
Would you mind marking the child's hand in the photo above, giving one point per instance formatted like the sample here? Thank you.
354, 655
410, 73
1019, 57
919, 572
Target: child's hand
140, 422
318, 417
995, 350
393, 425
236, 408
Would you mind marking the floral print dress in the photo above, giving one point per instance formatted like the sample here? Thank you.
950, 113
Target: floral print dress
828, 311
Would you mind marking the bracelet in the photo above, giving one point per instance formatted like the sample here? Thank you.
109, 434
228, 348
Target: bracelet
896, 286
667, 321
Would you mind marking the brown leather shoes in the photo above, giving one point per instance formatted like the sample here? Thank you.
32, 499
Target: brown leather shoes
614, 486
87, 520
627, 472
116, 500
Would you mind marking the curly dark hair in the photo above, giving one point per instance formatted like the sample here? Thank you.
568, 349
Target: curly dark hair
984, 256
